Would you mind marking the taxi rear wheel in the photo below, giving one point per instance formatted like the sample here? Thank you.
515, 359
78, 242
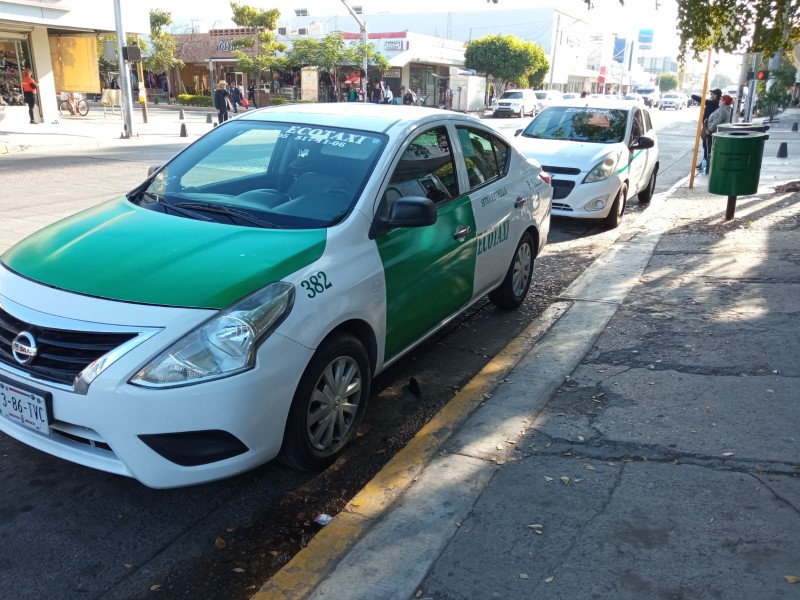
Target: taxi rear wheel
514, 288
328, 405
614, 217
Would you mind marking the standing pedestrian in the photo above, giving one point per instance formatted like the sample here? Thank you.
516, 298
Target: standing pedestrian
236, 97
251, 94
29, 92
222, 101
711, 105
722, 115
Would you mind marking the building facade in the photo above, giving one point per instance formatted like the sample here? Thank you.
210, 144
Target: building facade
57, 40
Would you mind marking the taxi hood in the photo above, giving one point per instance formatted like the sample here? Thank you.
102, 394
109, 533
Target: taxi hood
562, 153
124, 252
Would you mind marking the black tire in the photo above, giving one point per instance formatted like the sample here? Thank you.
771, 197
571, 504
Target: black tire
614, 217
328, 404
83, 107
647, 193
64, 108
517, 281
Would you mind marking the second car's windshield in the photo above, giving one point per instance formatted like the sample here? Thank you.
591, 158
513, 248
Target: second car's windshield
579, 124
511, 96
264, 174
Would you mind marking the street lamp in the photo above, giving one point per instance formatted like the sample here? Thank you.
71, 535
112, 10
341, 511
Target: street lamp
363, 26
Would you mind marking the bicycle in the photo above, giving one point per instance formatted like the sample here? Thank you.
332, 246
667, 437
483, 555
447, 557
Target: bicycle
73, 103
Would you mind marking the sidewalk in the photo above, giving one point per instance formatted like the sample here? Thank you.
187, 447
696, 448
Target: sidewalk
640, 440
101, 129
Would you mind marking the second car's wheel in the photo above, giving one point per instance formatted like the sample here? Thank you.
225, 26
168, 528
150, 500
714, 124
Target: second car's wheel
614, 217
647, 193
328, 405
514, 288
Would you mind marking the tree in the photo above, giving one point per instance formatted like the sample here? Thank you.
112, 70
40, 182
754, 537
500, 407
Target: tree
767, 26
774, 95
720, 81
668, 81
258, 54
162, 58
507, 58
331, 53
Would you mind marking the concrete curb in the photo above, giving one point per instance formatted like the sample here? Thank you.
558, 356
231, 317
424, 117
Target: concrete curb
312, 564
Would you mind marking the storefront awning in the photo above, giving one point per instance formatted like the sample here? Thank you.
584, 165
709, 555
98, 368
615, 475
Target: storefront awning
429, 56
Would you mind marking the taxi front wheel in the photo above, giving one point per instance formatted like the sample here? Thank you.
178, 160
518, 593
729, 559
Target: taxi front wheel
328, 405
514, 288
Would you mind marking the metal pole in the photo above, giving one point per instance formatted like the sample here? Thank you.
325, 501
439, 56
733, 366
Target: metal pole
364, 38
730, 210
555, 47
142, 86
124, 75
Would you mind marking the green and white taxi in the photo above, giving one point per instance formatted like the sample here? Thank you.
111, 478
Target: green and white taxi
235, 307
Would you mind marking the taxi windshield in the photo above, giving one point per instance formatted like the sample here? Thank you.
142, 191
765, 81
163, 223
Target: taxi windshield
579, 124
266, 174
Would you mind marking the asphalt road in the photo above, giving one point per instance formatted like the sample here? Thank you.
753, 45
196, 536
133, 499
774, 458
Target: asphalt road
74, 532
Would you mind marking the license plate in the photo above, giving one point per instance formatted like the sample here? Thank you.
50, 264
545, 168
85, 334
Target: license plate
25, 406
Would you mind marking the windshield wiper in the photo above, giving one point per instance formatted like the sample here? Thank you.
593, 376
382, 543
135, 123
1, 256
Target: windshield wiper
231, 213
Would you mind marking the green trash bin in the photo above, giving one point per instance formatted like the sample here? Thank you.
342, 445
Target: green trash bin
736, 162
743, 127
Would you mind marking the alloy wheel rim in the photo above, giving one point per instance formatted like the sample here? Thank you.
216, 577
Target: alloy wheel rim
334, 403
522, 266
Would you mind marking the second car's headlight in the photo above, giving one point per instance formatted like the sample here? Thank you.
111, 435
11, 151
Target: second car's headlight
603, 169
222, 346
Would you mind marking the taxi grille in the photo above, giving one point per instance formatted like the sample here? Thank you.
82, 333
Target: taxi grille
561, 188
61, 354
561, 170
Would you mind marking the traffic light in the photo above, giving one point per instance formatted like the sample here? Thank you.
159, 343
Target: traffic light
762, 75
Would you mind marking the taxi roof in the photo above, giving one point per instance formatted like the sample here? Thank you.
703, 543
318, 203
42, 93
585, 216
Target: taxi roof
354, 115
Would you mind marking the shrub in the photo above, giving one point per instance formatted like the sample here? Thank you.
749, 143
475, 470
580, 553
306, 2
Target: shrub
279, 100
193, 100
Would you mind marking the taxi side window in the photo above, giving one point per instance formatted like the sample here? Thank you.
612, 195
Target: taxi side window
426, 168
637, 127
484, 156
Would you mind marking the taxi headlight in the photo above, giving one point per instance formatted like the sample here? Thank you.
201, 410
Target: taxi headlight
603, 169
223, 346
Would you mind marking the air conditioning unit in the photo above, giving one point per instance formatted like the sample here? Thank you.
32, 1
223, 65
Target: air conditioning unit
281, 30
302, 31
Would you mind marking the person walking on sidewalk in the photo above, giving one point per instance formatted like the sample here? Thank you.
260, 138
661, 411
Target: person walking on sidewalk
222, 101
251, 94
29, 92
236, 97
719, 117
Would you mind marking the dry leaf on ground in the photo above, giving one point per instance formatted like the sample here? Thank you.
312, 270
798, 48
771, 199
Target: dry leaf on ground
791, 579
549, 579
219, 543
565, 479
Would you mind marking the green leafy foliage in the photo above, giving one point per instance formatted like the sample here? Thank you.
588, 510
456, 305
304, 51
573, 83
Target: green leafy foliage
668, 81
258, 55
194, 100
771, 100
162, 57
507, 58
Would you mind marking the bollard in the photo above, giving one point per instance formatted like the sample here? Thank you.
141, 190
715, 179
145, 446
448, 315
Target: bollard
181, 116
794, 127
183, 130
783, 150
209, 119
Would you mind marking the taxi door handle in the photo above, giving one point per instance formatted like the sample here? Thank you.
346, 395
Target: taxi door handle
520, 202
462, 232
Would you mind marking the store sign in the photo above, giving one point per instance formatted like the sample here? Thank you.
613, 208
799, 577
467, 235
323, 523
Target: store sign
225, 46
393, 72
393, 45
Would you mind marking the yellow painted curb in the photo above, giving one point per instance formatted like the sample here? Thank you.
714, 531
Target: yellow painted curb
309, 567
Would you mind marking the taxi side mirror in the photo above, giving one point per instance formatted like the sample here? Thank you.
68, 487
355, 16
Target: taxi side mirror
407, 211
643, 143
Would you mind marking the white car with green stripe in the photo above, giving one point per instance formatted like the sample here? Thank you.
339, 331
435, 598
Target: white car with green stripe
599, 152
235, 307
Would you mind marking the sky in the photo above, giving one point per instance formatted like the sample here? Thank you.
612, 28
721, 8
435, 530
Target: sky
608, 15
